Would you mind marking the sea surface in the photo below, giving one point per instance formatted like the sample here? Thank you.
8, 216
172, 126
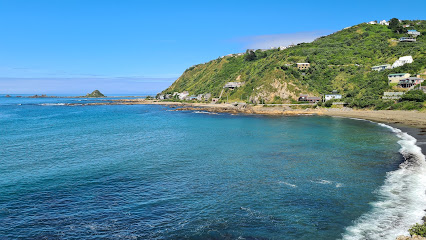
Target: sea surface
148, 172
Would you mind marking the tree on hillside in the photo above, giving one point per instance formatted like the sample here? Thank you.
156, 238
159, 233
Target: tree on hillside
395, 25
250, 55
414, 95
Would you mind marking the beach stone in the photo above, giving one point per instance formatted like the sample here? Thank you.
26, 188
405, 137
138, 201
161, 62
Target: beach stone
402, 237
414, 237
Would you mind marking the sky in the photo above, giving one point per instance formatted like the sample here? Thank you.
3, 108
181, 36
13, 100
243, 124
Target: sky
142, 46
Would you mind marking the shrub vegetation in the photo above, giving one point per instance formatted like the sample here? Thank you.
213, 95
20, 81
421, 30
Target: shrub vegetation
341, 61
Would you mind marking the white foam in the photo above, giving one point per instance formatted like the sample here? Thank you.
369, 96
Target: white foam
205, 112
288, 184
52, 104
402, 198
322, 181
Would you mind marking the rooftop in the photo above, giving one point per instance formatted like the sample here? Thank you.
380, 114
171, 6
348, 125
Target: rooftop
397, 74
382, 65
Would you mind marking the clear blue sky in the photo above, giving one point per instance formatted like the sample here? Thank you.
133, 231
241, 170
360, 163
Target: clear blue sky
135, 46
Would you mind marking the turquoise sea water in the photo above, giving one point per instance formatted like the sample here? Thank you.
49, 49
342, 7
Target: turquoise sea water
145, 172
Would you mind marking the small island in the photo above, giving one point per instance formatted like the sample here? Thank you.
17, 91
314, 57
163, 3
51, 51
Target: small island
95, 94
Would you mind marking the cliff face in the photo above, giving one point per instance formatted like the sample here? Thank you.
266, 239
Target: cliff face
341, 61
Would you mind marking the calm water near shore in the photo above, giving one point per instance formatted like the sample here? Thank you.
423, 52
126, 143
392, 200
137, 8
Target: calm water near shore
144, 172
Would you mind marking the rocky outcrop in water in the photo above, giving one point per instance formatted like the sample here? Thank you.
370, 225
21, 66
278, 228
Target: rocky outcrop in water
95, 93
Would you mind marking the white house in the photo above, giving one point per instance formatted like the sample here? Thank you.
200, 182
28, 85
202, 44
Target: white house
392, 95
413, 32
384, 22
332, 96
407, 39
183, 95
233, 85
402, 61
381, 67
394, 78
372, 22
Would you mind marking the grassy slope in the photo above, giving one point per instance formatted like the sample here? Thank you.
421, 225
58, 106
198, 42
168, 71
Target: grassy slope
332, 59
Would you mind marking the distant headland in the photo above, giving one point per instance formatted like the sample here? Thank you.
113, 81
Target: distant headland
95, 94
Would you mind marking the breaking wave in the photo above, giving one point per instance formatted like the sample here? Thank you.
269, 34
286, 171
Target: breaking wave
205, 112
53, 104
402, 198
288, 184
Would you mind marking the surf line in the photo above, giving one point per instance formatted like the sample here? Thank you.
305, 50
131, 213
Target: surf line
402, 197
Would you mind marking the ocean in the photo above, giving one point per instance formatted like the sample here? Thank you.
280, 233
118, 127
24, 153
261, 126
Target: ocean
149, 172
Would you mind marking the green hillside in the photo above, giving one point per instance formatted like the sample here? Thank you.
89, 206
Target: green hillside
341, 61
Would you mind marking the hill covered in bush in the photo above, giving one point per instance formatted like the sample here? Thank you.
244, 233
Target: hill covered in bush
341, 61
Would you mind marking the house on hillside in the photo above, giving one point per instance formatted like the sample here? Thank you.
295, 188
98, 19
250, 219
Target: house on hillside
207, 96
306, 98
302, 66
392, 95
381, 67
406, 25
183, 95
410, 82
414, 33
384, 22
233, 85
200, 97
303, 97
402, 61
372, 22
192, 97
394, 78
313, 99
407, 39
332, 96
